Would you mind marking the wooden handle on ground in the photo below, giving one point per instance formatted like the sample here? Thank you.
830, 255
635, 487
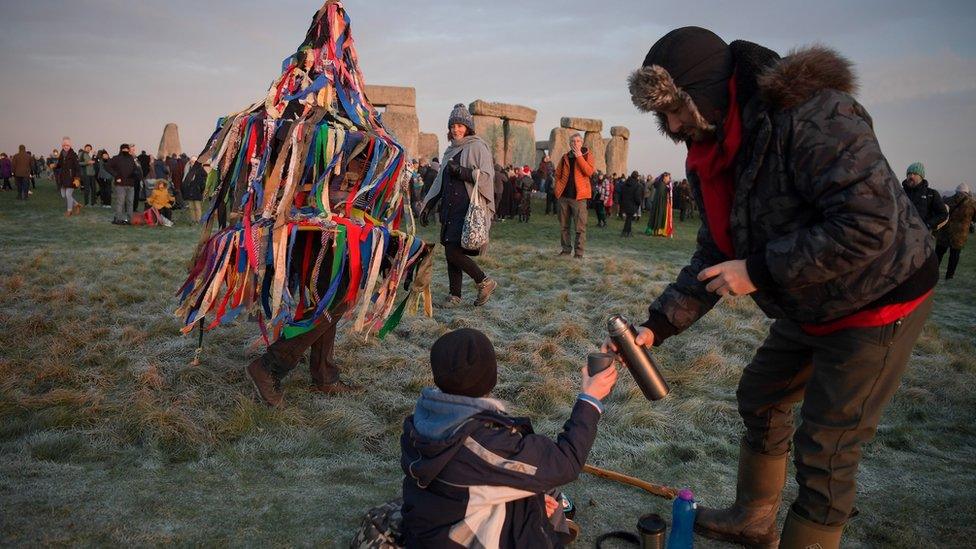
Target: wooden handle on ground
658, 490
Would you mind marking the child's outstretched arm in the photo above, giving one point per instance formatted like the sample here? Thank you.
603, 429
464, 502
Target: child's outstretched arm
535, 463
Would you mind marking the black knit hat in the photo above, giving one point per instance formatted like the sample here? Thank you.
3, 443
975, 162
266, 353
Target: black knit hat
689, 66
463, 362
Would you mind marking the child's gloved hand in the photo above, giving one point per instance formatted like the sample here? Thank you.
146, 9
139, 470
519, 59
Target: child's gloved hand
600, 385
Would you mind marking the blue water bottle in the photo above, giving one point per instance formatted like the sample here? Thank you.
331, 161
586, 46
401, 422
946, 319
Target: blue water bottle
682, 520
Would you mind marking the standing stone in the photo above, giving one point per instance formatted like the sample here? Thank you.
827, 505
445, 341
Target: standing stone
502, 110
405, 126
492, 130
429, 146
381, 96
582, 124
541, 148
519, 143
559, 143
170, 142
620, 131
594, 142
617, 155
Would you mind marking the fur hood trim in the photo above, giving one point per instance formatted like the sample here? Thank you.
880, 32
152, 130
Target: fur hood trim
784, 83
804, 72
653, 90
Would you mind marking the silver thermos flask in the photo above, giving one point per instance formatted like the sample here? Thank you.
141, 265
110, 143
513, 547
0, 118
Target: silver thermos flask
637, 358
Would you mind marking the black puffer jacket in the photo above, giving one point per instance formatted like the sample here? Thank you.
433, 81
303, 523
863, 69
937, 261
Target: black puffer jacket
818, 214
631, 196
928, 202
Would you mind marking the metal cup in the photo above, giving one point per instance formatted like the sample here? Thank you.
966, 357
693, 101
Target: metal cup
651, 529
597, 362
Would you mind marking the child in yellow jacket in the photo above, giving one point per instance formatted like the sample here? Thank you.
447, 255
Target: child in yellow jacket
160, 200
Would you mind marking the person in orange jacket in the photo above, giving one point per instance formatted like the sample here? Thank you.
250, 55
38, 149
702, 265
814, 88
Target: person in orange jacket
572, 193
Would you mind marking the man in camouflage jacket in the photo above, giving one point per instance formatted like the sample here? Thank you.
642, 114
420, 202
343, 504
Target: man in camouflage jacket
801, 211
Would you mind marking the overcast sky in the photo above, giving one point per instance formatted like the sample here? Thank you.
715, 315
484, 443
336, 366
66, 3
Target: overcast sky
106, 71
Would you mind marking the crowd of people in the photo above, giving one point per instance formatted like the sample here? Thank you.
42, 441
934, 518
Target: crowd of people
842, 258
124, 182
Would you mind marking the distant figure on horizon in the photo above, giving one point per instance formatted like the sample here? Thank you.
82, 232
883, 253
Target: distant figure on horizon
6, 171
127, 175
22, 165
68, 178
193, 188
88, 185
953, 235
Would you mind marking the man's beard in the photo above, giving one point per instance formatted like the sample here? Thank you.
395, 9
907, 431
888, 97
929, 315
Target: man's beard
696, 135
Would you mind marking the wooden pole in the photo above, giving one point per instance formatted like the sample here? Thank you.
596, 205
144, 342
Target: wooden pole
658, 490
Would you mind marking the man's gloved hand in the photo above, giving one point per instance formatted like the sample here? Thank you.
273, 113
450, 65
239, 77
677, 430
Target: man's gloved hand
457, 171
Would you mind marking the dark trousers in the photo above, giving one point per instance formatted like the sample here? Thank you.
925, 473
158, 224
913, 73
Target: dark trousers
844, 381
91, 190
459, 263
628, 221
6, 183
167, 213
601, 213
105, 191
551, 203
23, 185
940, 250
283, 355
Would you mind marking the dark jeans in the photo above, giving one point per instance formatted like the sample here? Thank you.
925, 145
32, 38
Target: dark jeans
105, 191
551, 203
167, 213
91, 190
601, 213
459, 263
628, 221
283, 355
23, 185
940, 250
6, 183
844, 381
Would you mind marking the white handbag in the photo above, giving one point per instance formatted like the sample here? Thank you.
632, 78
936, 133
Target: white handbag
474, 232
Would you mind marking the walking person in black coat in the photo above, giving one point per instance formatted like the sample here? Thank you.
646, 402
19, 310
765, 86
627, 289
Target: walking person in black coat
631, 195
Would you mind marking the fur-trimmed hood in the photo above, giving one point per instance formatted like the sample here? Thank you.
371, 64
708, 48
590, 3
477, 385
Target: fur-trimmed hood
781, 83
802, 73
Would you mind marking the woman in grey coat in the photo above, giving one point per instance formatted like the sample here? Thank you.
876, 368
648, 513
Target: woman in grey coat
467, 168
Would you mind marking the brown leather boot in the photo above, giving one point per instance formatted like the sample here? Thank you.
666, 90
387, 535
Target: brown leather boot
751, 521
485, 288
267, 386
336, 388
800, 533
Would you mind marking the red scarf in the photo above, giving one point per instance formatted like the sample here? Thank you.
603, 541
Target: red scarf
714, 164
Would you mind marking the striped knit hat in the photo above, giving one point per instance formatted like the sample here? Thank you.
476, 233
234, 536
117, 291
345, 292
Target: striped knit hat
917, 168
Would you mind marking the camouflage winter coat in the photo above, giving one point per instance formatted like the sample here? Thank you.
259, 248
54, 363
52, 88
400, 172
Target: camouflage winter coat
962, 214
818, 214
